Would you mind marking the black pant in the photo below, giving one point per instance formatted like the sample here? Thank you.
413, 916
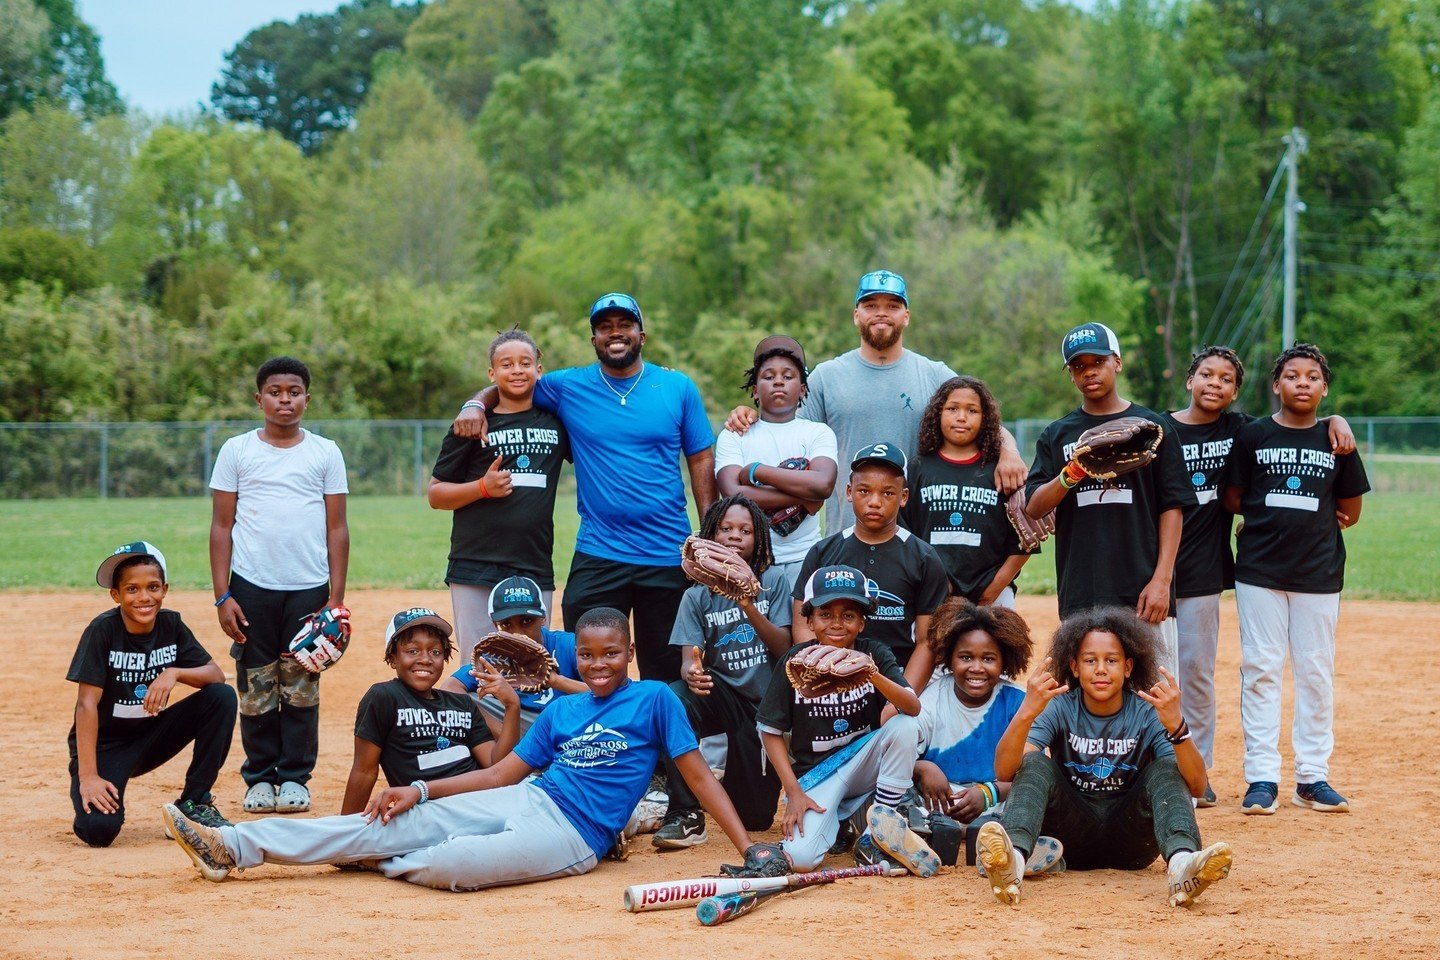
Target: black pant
1120, 833
205, 718
279, 699
754, 791
651, 593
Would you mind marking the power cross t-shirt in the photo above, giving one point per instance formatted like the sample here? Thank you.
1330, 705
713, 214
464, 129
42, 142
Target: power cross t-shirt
1102, 756
731, 650
124, 665
1291, 481
420, 738
1204, 566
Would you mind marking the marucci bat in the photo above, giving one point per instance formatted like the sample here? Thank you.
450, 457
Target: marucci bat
676, 894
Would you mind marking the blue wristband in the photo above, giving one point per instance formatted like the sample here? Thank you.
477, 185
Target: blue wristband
753, 467
424, 789
223, 597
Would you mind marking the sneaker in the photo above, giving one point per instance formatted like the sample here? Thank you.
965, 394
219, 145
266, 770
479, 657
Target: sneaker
260, 798
1320, 796
995, 852
650, 811
844, 838
292, 797
892, 835
1191, 872
1206, 800
866, 853
1262, 798
202, 844
686, 829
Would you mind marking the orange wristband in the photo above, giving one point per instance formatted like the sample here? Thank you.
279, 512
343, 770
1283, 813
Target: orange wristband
1073, 473
484, 494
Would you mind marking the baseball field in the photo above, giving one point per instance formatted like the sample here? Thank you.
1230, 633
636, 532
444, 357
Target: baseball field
1304, 884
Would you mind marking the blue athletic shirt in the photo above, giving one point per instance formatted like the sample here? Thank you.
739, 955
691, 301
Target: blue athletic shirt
601, 752
559, 643
627, 457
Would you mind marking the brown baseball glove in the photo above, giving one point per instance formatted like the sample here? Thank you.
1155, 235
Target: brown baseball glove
719, 568
818, 670
1031, 532
1118, 447
526, 664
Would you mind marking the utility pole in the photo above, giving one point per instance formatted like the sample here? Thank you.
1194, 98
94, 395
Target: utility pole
1295, 145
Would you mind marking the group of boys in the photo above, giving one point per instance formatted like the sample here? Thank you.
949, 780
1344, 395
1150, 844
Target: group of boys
279, 549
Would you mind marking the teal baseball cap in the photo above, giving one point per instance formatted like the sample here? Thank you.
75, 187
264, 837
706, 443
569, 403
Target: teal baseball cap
882, 281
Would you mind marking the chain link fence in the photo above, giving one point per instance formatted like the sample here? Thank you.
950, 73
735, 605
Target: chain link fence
51, 460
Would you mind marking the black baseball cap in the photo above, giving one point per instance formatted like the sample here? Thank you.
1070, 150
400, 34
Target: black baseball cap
517, 596
616, 303
838, 582
1091, 338
885, 452
105, 576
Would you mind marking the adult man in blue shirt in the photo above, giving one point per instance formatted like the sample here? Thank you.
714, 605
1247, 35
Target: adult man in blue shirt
629, 422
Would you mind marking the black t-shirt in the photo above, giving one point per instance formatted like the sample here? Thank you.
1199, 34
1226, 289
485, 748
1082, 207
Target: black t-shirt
124, 665
419, 738
1204, 565
1107, 540
491, 539
907, 571
956, 509
826, 723
1291, 481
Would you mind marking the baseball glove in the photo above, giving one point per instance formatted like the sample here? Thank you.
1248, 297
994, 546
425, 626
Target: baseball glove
761, 860
322, 640
1031, 532
786, 520
1118, 447
526, 664
818, 670
719, 568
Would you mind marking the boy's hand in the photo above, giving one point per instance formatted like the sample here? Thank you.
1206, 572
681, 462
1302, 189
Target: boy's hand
1010, 471
1165, 698
492, 683
797, 802
934, 786
390, 803
1154, 603
232, 620
1343, 518
968, 804
697, 679
159, 693
471, 424
98, 795
740, 419
1342, 438
1040, 689
497, 481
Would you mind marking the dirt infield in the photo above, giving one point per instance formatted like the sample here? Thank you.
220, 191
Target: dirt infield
1304, 884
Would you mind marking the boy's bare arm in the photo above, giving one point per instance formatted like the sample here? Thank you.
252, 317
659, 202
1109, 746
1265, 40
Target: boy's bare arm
1010, 468
1347, 511
393, 801
222, 525
95, 792
713, 797
337, 542
702, 478
471, 423
899, 695
1154, 603
364, 771
776, 639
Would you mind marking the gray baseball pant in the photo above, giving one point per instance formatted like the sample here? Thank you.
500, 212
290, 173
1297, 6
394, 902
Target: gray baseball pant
1197, 621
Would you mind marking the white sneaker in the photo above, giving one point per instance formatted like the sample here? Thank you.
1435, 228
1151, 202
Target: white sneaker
260, 798
292, 797
995, 852
1190, 873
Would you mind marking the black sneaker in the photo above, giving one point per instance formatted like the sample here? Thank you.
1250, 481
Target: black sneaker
205, 813
1206, 800
1320, 796
681, 830
1261, 797
844, 838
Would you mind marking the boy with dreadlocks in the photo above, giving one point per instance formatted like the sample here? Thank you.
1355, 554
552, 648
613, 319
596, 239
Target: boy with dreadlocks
732, 648
1206, 430
784, 463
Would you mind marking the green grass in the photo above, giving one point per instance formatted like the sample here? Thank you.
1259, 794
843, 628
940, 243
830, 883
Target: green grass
1394, 553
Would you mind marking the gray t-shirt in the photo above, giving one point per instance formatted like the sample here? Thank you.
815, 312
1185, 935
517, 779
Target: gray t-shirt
866, 403
1103, 756
733, 652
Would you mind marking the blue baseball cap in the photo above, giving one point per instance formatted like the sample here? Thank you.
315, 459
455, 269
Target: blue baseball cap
1091, 338
516, 596
105, 576
622, 302
414, 617
882, 281
838, 582
887, 453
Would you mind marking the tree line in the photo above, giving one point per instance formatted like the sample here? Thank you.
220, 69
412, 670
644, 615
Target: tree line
382, 188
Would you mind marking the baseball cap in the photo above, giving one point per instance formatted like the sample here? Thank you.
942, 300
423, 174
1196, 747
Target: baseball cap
622, 302
1092, 338
105, 576
881, 281
414, 617
838, 582
781, 342
887, 453
516, 596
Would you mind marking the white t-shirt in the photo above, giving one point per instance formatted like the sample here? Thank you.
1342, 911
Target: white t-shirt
770, 444
279, 534
961, 740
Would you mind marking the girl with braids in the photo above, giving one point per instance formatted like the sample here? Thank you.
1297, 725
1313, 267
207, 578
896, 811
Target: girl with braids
1116, 783
1206, 430
953, 503
732, 648
502, 492
1295, 494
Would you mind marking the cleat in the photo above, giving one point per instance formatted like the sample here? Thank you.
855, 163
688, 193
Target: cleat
206, 814
893, 835
202, 844
1190, 873
995, 852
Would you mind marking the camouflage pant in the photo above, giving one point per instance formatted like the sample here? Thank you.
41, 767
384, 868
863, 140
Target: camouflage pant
279, 723
281, 682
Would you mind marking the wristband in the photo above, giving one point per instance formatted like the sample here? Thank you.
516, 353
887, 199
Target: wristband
1181, 734
424, 791
1072, 472
223, 597
484, 494
753, 467
473, 405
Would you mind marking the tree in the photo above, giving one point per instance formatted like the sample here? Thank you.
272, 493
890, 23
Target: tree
46, 258
306, 79
61, 65
465, 45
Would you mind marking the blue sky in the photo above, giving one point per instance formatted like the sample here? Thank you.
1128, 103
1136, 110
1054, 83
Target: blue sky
163, 55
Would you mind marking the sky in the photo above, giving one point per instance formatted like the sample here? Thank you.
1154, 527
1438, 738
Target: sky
163, 55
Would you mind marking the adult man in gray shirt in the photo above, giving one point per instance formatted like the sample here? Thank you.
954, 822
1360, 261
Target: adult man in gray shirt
878, 390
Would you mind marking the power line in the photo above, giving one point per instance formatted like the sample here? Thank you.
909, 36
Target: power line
1218, 324
1245, 247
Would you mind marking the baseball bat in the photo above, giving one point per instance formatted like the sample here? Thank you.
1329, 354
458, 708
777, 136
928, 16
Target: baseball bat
713, 911
675, 894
